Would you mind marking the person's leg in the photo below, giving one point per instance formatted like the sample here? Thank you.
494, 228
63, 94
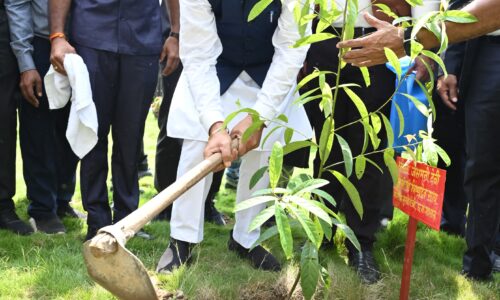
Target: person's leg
9, 96
168, 150
103, 74
211, 213
482, 169
136, 86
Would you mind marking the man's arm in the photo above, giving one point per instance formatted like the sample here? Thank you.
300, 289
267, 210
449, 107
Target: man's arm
170, 50
21, 35
371, 48
58, 13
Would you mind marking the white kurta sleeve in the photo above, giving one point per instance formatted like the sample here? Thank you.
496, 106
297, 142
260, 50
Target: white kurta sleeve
200, 47
418, 11
287, 61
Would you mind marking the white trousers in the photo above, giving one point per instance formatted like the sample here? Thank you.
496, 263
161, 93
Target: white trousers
188, 212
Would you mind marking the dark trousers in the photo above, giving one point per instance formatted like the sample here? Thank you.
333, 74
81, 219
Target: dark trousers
324, 56
9, 97
482, 168
122, 89
49, 164
168, 150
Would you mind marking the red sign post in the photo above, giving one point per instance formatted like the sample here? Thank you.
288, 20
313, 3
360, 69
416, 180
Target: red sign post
418, 193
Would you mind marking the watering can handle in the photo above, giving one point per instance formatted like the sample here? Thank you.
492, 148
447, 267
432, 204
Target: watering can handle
105, 243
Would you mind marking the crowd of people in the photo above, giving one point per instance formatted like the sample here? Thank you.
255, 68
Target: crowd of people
227, 63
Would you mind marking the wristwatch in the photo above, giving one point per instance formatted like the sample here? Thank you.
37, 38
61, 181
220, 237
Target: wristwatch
174, 34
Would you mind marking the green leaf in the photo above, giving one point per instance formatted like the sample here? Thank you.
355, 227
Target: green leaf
422, 108
253, 202
257, 176
325, 196
401, 120
309, 185
261, 218
374, 164
366, 75
269, 133
444, 156
293, 146
386, 10
376, 123
310, 206
327, 229
459, 16
283, 118
415, 2
388, 130
351, 191
326, 139
437, 59
422, 21
258, 8
394, 60
348, 233
306, 223
360, 166
360, 105
269, 191
275, 164
391, 164
256, 126
314, 38
429, 99
232, 115
346, 154
285, 231
309, 270
288, 135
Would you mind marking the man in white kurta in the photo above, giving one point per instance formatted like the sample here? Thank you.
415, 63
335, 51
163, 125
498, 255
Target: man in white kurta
205, 96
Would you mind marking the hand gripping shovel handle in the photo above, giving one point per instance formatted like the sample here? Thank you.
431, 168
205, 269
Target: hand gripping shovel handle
104, 243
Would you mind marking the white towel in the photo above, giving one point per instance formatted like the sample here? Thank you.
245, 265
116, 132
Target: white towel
82, 121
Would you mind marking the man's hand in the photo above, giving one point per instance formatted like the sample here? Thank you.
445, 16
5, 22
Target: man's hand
252, 142
372, 46
170, 52
421, 69
60, 47
31, 86
448, 90
219, 141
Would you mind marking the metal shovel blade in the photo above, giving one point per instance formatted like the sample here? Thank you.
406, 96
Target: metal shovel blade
121, 273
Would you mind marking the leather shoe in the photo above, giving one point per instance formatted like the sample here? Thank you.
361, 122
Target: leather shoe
10, 221
176, 254
366, 267
212, 215
259, 257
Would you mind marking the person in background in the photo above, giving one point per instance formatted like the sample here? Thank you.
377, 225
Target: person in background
120, 42
49, 164
374, 188
9, 97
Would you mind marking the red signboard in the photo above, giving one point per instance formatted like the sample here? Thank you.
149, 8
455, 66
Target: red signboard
420, 191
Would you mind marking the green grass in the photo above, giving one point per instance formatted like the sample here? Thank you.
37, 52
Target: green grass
51, 267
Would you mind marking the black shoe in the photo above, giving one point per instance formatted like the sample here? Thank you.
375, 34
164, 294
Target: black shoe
66, 210
10, 221
482, 278
212, 215
144, 173
177, 253
366, 267
496, 263
91, 233
259, 257
50, 225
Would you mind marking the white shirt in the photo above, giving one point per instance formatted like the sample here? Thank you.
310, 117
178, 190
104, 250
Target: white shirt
200, 47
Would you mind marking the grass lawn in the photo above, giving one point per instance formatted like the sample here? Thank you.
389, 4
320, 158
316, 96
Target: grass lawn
52, 267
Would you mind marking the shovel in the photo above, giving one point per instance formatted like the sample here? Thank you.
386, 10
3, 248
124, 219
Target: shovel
115, 268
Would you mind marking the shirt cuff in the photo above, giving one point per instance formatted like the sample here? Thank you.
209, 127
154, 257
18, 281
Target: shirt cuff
210, 117
25, 62
265, 111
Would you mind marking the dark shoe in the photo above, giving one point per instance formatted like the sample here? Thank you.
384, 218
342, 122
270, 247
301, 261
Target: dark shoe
365, 265
64, 211
50, 225
91, 233
144, 173
476, 277
177, 253
496, 263
259, 257
212, 215
10, 221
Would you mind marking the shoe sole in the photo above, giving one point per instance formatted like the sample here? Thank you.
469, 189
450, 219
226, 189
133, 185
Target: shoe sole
35, 229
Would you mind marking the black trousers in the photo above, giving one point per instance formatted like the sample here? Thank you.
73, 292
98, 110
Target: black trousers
372, 187
122, 88
49, 164
9, 98
482, 167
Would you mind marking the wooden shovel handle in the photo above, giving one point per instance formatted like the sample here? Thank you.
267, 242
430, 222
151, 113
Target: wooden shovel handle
105, 243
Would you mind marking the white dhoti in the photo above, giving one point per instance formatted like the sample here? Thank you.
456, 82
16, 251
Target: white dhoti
183, 122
